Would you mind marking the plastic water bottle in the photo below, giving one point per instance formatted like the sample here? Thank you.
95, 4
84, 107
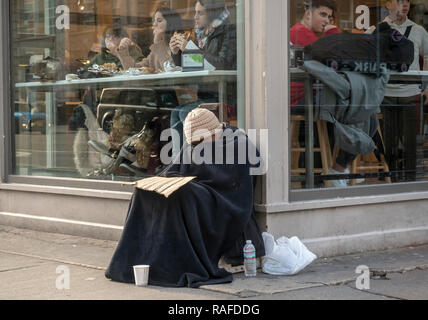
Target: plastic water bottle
250, 262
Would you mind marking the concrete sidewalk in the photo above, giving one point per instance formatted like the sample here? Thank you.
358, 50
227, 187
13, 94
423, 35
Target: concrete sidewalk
29, 261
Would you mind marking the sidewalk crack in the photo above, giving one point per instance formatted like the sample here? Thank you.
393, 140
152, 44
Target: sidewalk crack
54, 260
19, 268
377, 294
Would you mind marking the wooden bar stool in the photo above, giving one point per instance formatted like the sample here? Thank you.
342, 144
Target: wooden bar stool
368, 163
297, 150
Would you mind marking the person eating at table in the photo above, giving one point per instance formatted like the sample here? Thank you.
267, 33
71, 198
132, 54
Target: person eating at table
111, 39
215, 36
165, 22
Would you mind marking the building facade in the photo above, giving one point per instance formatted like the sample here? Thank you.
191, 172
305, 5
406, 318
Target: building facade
54, 179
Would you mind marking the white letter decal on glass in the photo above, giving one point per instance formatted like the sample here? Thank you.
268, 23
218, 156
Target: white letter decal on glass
63, 21
363, 21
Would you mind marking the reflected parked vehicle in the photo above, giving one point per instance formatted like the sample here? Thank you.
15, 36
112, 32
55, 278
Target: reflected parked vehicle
134, 118
143, 104
29, 121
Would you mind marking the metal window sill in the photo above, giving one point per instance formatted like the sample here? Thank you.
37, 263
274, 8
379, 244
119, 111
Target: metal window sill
339, 202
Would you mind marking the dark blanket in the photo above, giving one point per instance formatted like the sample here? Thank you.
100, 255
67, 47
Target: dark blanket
183, 237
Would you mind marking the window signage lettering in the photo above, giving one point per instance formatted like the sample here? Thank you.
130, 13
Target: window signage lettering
63, 21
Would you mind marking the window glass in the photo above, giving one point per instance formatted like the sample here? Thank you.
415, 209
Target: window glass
93, 78
357, 105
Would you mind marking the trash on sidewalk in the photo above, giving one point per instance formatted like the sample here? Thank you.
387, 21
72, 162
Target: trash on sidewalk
285, 256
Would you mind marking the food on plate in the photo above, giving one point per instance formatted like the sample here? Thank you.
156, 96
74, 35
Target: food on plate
147, 69
109, 66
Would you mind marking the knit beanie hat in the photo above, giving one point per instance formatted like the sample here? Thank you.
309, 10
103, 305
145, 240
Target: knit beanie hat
200, 124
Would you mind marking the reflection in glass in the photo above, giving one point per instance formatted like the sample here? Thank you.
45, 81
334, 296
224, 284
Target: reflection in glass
322, 154
123, 82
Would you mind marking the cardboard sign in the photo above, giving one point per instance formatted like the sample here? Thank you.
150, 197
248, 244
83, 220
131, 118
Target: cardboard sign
163, 186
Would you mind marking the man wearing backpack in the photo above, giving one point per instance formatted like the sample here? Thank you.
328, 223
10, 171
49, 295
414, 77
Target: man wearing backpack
402, 102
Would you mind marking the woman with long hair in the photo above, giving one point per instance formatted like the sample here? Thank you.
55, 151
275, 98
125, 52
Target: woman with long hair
165, 22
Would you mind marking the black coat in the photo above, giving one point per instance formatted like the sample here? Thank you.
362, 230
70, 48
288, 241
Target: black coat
220, 49
183, 237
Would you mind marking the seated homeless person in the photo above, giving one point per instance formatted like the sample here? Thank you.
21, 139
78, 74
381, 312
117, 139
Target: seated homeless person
183, 237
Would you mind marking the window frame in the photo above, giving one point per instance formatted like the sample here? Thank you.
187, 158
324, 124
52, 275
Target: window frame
7, 146
381, 190
264, 101
5, 113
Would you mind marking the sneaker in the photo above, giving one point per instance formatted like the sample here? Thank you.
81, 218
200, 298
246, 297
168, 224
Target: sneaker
342, 183
129, 153
357, 181
360, 181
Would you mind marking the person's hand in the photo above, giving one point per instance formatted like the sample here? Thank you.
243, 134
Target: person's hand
177, 43
182, 42
329, 27
125, 43
395, 14
173, 45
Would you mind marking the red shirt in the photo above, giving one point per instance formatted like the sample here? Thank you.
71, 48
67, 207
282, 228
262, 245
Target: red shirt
300, 35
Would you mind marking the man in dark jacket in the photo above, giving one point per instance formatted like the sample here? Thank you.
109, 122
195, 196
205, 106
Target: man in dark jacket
215, 35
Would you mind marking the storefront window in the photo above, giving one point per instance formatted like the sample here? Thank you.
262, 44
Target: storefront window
358, 108
96, 82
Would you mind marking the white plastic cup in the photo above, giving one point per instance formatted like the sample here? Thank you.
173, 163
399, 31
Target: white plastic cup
141, 275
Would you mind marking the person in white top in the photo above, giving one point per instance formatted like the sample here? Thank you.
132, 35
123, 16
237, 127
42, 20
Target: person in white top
402, 102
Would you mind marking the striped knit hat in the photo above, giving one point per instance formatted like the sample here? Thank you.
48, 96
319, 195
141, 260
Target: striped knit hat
200, 124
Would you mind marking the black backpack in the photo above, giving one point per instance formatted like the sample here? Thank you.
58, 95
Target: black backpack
359, 52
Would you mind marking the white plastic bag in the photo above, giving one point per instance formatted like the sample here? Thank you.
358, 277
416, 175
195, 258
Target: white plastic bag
285, 256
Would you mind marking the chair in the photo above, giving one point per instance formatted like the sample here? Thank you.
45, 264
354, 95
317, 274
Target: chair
369, 163
297, 150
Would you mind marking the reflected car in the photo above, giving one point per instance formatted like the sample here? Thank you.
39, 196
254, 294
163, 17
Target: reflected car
143, 104
28, 121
